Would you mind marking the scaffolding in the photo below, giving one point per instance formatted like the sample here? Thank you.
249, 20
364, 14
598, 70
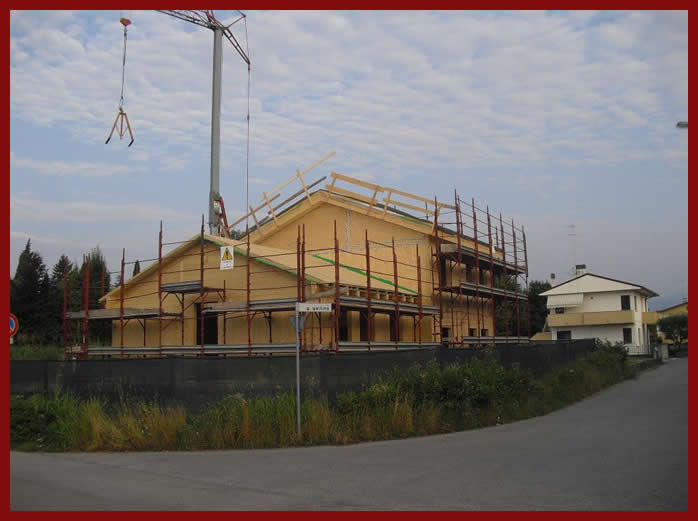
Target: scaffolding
473, 278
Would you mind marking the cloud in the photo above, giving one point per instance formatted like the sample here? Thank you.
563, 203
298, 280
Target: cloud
71, 168
530, 109
386, 88
30, 209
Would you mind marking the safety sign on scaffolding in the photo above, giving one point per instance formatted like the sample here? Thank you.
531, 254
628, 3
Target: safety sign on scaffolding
313, 307
227, 257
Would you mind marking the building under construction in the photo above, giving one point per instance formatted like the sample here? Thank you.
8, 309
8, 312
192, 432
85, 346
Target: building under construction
401, 271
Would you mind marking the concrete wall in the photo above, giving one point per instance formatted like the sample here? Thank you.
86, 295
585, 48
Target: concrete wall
195, 382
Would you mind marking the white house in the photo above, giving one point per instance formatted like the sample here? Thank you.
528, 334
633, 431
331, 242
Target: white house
592, 306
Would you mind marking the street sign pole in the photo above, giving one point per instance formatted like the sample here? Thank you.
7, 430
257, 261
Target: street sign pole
298, 373
298, 323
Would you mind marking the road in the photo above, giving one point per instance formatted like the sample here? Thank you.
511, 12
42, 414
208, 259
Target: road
623, 448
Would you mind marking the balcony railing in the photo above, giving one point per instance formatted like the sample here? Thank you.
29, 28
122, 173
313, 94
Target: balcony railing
591, 318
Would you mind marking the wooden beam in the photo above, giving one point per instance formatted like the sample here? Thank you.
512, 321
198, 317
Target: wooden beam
406, 205
358, 182
255, 210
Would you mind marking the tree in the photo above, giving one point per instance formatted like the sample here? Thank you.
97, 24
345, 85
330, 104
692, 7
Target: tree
539, 310
64, 267
29, 294
99, 284
505, 309
675, 327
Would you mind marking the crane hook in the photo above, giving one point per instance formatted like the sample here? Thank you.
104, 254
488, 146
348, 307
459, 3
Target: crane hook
121, 117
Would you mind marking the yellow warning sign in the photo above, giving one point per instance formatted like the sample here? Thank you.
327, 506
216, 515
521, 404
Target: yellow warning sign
227, 258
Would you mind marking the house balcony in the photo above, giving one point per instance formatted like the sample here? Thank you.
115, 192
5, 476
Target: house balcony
649, 318
591, 318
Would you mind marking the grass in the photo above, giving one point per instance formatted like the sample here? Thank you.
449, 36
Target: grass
413, 402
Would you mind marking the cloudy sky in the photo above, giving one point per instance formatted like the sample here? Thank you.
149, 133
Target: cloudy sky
563, 121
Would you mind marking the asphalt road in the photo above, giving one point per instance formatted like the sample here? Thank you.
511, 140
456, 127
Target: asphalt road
624, 448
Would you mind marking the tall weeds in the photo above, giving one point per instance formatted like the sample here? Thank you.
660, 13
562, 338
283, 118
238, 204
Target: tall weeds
416, 401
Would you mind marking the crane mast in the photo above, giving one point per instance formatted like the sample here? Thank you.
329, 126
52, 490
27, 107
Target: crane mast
206, 18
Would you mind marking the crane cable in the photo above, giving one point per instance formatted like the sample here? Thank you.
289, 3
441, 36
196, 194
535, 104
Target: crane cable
123, 64
247, 160
121, 117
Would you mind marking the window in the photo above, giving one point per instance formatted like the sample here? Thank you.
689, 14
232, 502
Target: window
559, 311
627, 335
625, 302
483, 332
564, 335
442, 270
635, 308
472, 332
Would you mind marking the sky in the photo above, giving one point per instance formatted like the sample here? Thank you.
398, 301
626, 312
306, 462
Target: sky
563, 121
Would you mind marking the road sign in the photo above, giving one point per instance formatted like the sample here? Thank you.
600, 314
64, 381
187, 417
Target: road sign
313, 307
227, 256
297, 319
14, 325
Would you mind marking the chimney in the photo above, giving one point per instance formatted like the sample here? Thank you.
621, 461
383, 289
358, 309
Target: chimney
580, 269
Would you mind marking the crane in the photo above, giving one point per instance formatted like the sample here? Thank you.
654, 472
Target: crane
206, 18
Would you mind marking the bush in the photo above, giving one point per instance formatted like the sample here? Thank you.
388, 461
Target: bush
420, 400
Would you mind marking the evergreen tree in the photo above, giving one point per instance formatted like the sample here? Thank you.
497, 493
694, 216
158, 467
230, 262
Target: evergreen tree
99, 284
55, 300
539, 310
28, 296
506, 308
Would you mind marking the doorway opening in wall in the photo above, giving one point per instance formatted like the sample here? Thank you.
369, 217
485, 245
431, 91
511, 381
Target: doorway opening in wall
445, 334
210, 327
564, 335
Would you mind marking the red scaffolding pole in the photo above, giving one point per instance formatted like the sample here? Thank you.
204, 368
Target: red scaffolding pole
249, 296
477, 277
121, 301
201, 288
397, 298
528, 301
419, 297
369, 315
437, 260
337, 309
516, 279
506, 277
160, 291
494, 312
